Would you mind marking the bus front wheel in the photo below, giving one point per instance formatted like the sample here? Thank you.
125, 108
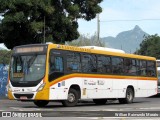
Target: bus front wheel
72, 99
41, 103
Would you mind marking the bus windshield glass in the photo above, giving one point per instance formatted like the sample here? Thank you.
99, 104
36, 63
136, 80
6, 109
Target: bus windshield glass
27, 67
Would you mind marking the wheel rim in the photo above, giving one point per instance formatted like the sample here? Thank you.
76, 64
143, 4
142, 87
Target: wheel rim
71, 97
129, 96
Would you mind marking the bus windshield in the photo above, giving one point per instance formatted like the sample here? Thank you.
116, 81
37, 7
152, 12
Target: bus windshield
27, 67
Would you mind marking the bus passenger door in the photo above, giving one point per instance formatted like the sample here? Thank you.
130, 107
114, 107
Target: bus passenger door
56, 70
56, 67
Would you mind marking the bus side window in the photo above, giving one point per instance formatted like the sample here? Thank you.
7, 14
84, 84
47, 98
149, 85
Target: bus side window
151, 72
56, 64
85, 63
93, 63
103, 64
73, 62
59, 64
117, 65
130, 66
143, 67
89, 63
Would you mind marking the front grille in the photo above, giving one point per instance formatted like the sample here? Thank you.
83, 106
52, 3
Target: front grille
29, 96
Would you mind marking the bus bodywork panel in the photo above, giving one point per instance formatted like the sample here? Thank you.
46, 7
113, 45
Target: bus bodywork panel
100, 87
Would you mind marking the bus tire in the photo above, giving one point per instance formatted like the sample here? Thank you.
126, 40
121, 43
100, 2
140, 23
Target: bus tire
100, 101
72, 99
129, 97
41, 103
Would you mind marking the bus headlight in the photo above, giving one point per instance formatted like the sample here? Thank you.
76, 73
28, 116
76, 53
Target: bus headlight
41, 87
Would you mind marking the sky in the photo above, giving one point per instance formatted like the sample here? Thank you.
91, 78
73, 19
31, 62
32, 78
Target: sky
123, 15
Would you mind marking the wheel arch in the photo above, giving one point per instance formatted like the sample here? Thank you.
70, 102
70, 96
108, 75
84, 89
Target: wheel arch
77, 88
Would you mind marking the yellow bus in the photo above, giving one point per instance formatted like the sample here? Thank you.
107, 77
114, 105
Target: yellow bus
51, 72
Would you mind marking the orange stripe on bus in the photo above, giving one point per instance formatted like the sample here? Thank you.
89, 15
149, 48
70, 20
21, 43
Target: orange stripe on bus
101, 76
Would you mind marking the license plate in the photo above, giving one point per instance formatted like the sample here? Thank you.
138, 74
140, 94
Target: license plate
23, 98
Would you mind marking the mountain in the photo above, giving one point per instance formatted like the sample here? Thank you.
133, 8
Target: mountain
128, 41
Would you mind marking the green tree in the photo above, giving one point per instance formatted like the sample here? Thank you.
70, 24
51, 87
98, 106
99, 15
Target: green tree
150, 46
23, 20
5, 56
86, 40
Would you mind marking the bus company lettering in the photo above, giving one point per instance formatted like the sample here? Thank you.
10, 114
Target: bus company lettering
85, 82
101, 82
91, 82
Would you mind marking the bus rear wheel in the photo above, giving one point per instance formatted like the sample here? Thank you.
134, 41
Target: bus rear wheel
100, 101
129, 97
41, 103
72, 99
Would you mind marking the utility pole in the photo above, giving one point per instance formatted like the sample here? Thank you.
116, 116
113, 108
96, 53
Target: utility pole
98, 29
44, 31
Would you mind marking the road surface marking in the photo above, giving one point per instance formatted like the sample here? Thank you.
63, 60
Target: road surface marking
16, 108
150, 108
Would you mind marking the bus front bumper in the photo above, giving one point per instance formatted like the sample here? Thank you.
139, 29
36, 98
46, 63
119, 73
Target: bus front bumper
40, 95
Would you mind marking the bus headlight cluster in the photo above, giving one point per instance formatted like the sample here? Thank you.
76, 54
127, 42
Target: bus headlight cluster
41, 87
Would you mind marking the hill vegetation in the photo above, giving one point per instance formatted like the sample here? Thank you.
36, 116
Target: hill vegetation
150, 46
5, 56
28, 21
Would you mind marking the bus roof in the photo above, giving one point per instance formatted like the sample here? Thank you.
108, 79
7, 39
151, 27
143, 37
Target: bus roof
83, 49
89, 50
103, 49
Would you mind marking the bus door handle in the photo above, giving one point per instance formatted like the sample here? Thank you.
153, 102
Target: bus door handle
65, 89
109, 89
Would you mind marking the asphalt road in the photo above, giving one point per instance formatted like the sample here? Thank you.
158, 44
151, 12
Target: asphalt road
87, 109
